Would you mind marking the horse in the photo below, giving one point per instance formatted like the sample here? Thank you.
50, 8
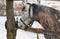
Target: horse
46, 16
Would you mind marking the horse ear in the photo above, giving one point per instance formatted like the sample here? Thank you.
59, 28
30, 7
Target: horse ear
29, 4
33, 4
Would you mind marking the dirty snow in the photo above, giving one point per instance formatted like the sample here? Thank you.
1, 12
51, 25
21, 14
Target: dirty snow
21, 34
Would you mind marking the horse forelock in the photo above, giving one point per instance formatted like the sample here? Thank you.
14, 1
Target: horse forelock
28, 9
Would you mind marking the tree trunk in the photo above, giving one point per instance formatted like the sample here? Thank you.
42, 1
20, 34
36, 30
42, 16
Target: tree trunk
11, 29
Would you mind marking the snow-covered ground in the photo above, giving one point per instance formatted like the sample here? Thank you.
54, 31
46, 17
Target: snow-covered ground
21, 34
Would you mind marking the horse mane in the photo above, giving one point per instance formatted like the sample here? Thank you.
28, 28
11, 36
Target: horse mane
47, 14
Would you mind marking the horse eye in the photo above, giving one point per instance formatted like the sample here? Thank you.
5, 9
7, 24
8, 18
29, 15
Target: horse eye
23, 9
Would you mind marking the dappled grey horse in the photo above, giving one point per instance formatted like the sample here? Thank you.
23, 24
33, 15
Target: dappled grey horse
36, 9
29, 15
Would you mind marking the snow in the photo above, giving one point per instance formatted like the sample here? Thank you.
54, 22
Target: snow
37, 25
21, 34
2, 28
53, 4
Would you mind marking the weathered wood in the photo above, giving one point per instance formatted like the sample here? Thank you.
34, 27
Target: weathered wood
42, 31
37, 34
11, 29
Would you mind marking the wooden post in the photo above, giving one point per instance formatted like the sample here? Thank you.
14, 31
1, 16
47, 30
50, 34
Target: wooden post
37, 34
11, 29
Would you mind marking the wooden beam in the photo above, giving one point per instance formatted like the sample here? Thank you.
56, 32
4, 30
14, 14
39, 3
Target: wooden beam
42, 31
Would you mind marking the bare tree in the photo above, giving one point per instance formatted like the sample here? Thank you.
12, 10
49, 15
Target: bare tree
11, 29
